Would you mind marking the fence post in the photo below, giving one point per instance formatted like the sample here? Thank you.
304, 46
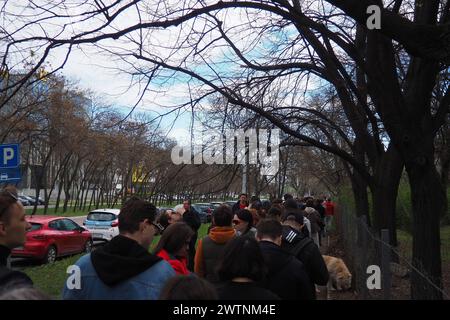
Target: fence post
385, 264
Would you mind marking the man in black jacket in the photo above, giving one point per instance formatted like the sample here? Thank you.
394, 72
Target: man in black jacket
304, 249
13, 229
286, 276
192, 219
241, 204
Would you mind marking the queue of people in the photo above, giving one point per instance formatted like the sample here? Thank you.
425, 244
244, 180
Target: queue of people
253, 250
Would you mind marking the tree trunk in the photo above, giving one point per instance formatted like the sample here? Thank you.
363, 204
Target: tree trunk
47, 199
85, 186
60, 188
92, 197
67, 195
428, 202
86, 195
444, 159
385, 190
359, 187
39, 178
69, 184
359, 184
61, 166
384, 194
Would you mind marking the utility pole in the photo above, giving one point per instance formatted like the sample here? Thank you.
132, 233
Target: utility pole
244, 178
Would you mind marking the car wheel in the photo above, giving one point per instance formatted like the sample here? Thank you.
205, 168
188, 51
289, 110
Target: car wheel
50, 256
88, 246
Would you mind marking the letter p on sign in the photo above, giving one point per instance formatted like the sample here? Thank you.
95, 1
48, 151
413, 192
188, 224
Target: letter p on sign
8, 154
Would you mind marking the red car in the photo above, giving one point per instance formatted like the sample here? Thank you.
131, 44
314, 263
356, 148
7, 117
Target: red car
51, 237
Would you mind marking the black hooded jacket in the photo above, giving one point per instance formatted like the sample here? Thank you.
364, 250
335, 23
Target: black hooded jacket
121, 259
286, 276
10, 279
192, 219
309, 254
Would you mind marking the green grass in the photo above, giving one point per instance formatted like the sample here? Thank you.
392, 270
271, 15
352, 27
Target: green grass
50, 278
405, 244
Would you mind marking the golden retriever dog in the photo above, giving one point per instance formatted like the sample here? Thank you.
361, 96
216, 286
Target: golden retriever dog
340, 277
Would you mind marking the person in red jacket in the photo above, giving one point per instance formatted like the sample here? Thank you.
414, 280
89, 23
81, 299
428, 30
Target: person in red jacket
174, 246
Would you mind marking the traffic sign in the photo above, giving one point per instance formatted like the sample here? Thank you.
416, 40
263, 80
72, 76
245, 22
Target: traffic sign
10, 175
9, 163
9, 156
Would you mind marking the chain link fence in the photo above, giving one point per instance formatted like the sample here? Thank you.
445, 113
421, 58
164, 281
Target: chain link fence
370, 257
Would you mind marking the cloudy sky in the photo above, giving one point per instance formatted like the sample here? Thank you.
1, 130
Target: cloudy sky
99, 72
94, 72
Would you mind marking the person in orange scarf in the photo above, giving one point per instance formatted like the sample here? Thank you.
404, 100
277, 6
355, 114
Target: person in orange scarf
211, 247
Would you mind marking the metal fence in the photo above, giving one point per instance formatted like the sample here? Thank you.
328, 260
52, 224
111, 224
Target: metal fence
368, 253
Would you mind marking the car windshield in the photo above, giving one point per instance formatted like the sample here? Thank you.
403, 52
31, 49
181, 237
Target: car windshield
101, 216
35, 226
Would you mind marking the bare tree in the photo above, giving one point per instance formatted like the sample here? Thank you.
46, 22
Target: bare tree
384, 89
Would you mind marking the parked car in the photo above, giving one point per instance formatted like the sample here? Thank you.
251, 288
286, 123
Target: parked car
103, 223
215, 205
51, 237
31, 200
24, 201
205, 211
231, 203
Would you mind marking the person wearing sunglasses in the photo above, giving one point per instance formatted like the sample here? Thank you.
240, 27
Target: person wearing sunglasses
173, 246
13, 229
124, 268
243, 223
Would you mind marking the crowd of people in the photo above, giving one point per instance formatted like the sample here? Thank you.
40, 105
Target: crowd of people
254, 250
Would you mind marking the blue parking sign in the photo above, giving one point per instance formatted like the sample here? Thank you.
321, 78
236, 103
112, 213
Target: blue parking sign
9, 156
10, 175
9, 163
